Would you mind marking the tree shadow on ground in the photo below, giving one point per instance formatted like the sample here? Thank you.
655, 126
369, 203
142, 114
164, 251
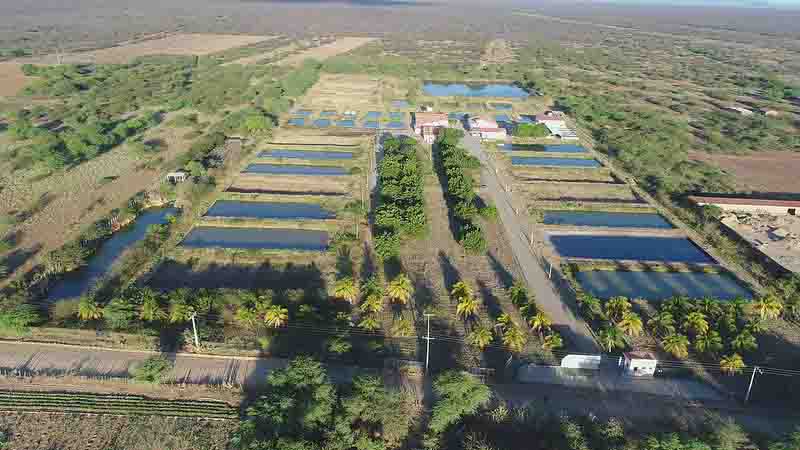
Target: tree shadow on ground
173, 275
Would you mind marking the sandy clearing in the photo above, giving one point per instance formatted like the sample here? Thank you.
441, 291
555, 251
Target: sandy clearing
772, 171
12, 80
341, 45
497, 51
175, 44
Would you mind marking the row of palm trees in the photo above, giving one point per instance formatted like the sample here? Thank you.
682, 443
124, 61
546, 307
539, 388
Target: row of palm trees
715, 329
510, 333
399, 291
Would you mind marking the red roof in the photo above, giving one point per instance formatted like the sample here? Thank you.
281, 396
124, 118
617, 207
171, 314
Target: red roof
421, 118
745, 201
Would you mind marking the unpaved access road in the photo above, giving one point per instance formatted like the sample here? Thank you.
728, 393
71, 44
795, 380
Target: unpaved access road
559, 309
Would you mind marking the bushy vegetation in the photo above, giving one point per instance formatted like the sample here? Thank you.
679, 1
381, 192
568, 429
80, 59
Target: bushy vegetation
401, 204
528, 130
303, 409
452, 164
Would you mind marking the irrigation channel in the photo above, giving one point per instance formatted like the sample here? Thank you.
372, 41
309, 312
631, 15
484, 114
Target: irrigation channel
79, 282
646, 256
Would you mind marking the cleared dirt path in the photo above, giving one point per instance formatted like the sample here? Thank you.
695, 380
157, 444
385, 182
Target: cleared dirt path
62, 360
560, 309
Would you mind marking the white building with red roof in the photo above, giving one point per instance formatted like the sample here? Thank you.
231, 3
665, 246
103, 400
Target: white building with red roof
428, 124
486, 128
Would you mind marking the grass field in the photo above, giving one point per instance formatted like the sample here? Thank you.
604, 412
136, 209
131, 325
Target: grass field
773, 171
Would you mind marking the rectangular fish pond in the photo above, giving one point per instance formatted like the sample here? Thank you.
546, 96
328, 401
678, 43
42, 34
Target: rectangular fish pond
395, 125
277, 169
502, 118
322, 123
395, 115
501, 106
256, 238
637, 248
554, 162
605, 284
302, 112
372, 124
268, 210
373, 115
77, 283
297, 122
606, 219
346, 123
304, 154
444, 89
566, 148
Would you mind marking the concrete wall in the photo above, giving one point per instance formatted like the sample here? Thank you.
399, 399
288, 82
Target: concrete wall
753, 209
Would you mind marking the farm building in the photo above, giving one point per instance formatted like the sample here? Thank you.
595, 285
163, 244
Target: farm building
750, 205
555, 123
639, 364
486, 128
427, 124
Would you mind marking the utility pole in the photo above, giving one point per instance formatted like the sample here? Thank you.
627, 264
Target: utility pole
752, 379
428, 340
194, 328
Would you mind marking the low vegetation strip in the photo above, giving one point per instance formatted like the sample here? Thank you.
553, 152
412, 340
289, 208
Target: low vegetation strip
452, 164
401, 210
114, 404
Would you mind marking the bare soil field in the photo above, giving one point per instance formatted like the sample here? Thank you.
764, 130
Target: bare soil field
599, 192
771, 171
341, 45
179, 44
270, 55
358, 93
12, 80
71, 200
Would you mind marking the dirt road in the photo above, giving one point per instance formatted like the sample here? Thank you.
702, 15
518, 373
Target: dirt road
560, 310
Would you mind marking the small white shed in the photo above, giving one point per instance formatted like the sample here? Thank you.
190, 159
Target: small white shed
639, 364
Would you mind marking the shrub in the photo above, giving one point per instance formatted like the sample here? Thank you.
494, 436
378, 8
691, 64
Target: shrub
489, 212
473, 240
531, 130
19, 318
152, 370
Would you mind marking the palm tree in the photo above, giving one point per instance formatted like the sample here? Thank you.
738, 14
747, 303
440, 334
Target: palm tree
276, 316
540, 323
346, 289
514, 339
400, 289
370, 323
616, 308
180, 312
480, 337
461, 290
678, 306
710, 342
731, 364
518, 294
611, 338
677, 345
552, 341
768, 307
709, 307
88, 309
151, 311
631, 324
591, 306
247, 317
372, 304
696, 321
744, 342
663, 323
467, 307
504, 321
791, 308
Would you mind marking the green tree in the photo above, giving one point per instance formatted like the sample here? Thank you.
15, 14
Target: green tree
731, 364
467, 307
180, 311
18, 318
663, 323
616, 308
677, 345
150, 310
299, 403
119, 313
611, 338
480, 337
518, 294
710, 342
400, 289
459, 394
744, 342
276, 316
768, 307
369, 323
696, 322
553, 341
631, 324
540, 323
379, 416
88, 309
346, 289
